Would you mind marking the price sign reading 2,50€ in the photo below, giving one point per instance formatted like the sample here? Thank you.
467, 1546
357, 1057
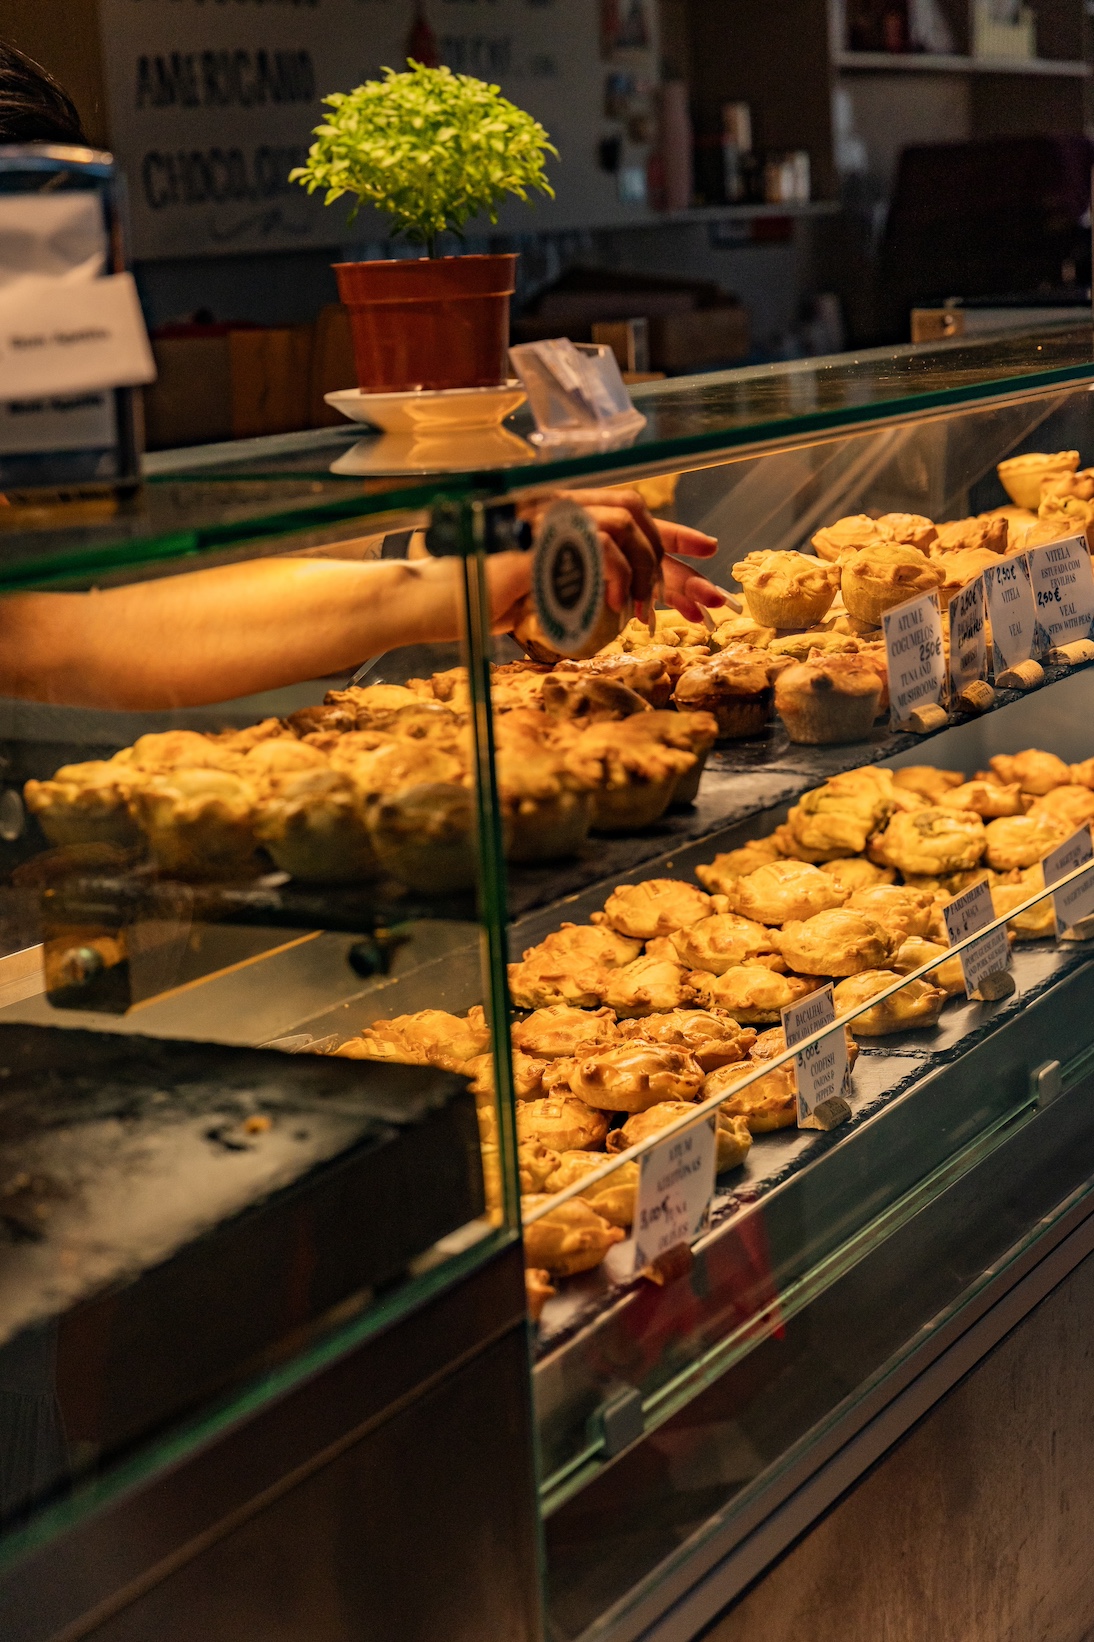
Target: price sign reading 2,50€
913, 651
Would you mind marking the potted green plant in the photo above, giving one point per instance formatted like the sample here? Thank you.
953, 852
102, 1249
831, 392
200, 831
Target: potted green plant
432, 150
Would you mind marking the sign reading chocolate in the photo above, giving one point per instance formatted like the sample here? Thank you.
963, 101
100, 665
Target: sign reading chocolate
1012, 612
913, 651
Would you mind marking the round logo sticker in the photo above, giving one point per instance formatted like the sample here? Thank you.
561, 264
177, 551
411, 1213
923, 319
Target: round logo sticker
568, 577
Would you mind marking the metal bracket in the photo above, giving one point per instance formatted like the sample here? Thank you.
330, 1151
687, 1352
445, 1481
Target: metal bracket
618, 1422
1046, 1082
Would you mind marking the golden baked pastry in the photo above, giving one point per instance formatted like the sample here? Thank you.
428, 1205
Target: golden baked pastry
693, 733
732, 631
773, 1042
431, 1037
768, 1103
786, 589
839, 818
588, 943
395, 765
910, 529
903, 910
733, 864
537, 1291
1064, 512
199, 822
633, 781
916, 1005
752, 995
926, 781
548, 978
631, 1076
86, 804
571, 1238
711, 1036
829, 700
527, 1075
854, 872
932, 841
657, 906
812, 643
1082, 775
1017, 841
588, 697
1071, 806
647, 674
784, 889
178, 749
1023, 476
981, 531
275, 761
839, 942
561, 1122
546, 805
1039, 921
563, 1030
987, 799
732, 1134
848, 536
917, 950
725, 940
960, 568
424, 836
613, 1197
314, 826
251, 735
1035, 772
733, 687
650, 986
878, 578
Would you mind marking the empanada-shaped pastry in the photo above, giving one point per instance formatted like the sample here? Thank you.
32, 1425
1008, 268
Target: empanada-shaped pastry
754, 996
855, 872
771, 1043
840, 942
987, 799
431, 1037
314, 826
1082, 775
631, 1076
86, 804
726, 868
562, 1030
932, 841
723, 941
848, 536
199, 822
916, 951
365, 698
650, 986
733, 631
1039, 921
732, 1134
1018, 841
549, 978
1035, 772
588, 943
613, 1197
711, 1036
673, 630
527, 1075
538, 1290
1072, 806
918, 1004
571, 1238
903, 911
770, 1102
658, 906
782, 890
562, 1122
926, 781
839, 818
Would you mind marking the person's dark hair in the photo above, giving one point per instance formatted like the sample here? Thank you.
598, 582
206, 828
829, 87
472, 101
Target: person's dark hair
33, 107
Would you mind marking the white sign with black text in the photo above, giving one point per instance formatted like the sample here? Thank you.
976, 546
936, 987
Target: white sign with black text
61, 337
968, 641
1063, 591
913, 651
964, 915
820, 1069
1076, 901
1011, 611
675, 1186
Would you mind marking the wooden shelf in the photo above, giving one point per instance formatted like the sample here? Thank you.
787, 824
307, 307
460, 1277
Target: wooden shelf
924, 63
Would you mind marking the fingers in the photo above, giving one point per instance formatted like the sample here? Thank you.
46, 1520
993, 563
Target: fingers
686, 591
628, 500
693, 544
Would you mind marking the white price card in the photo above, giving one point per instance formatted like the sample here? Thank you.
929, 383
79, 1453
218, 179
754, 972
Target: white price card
1011, 611
968, 640
675, 1186
1063, 591
66, 336
1076, 900
821, 1068
913, 651
964, 915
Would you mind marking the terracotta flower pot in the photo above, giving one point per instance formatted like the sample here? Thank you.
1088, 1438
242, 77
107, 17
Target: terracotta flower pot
430, 323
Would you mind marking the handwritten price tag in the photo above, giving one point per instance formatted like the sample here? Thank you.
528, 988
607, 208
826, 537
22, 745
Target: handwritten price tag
1077, 900
1011, 611
1063, 590
964, 915
675, 1186
968, 640
821, 1068
913, 650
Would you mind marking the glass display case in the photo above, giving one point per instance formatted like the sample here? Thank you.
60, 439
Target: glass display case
316, 996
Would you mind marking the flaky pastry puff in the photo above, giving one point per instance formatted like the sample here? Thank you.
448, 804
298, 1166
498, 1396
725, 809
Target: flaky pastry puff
86, 804
767, 1104
918, 1004
561, 1122
902, 909
847, 536
910, 528
199, 822
673, 630
711, 1036
1082, 775
632, 1076
527, 1075
839, 942
1035, 772
557, 978
878, 578
314, 826
588, 698
829, 700
732, 631
733, 687
588, 943
431, 1037
753, 996
932, 840
177, 750
657, 906
980, 531
961, 568
731, 1134
916, 950
423, 835
773, 1042
650, 986
646, 674
272, 762
632, 781
1038, 922
733, 864
1023, 476
987, 799
1017, 841
838, 818
784, 889
613, 1197
571, 1238
786, 589
1071, 806
814, 641
725, 940
686, 732
563, 1030
855, 872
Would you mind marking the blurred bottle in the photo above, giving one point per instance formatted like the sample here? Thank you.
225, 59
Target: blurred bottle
736, 150
676, 146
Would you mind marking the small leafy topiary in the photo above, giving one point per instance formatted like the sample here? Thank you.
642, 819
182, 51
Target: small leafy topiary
430, 148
